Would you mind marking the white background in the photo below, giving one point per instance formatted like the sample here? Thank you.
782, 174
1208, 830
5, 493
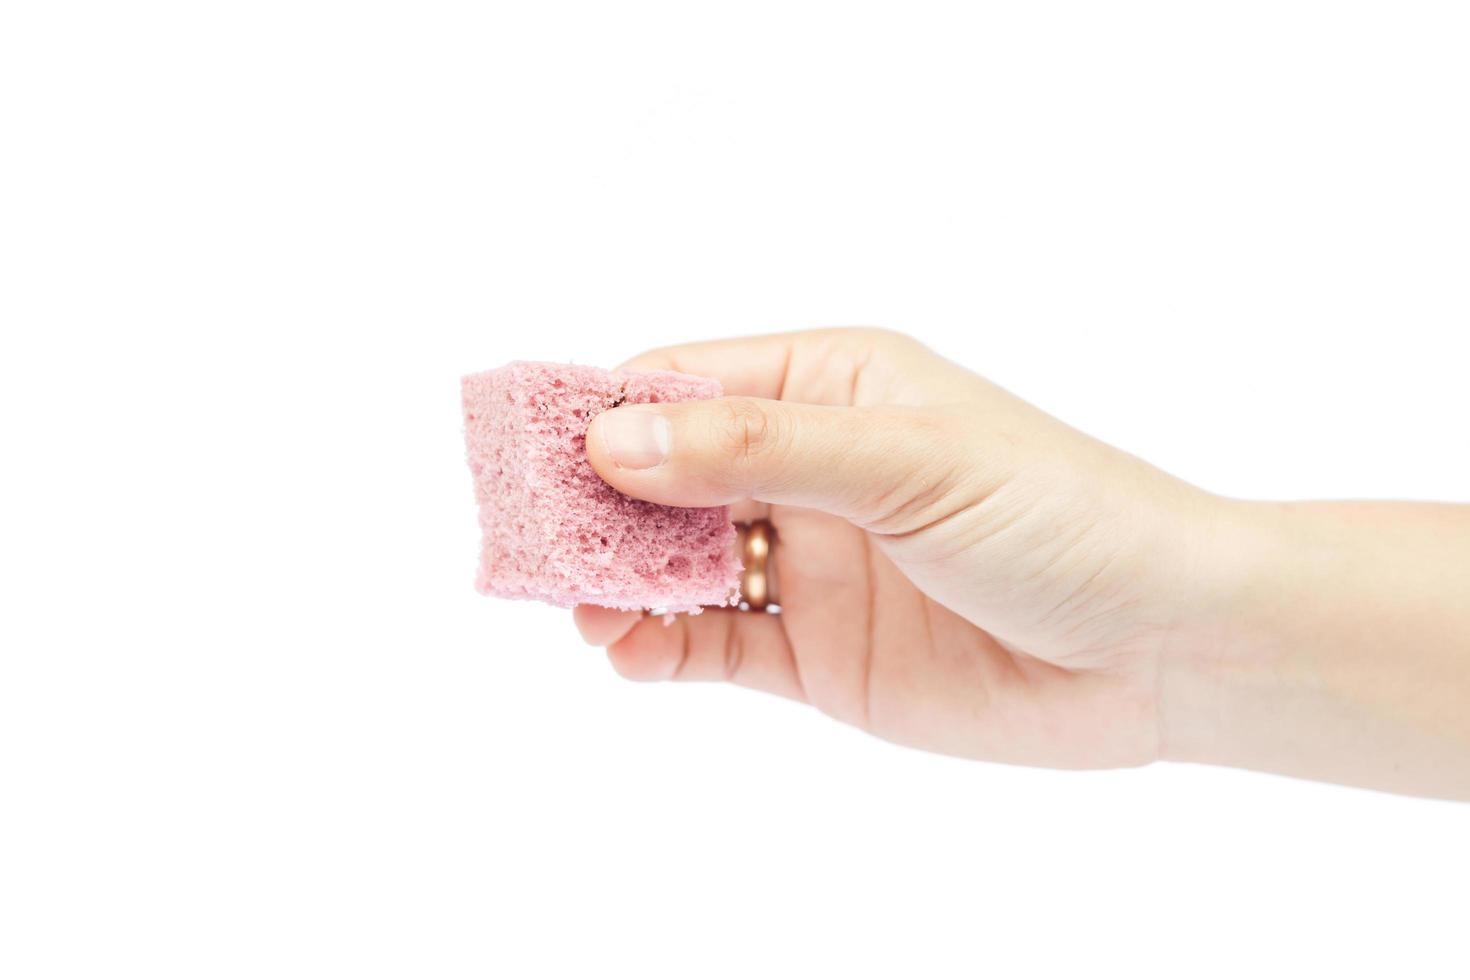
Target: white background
255, 722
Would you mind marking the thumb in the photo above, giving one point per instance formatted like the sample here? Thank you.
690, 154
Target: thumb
868, 465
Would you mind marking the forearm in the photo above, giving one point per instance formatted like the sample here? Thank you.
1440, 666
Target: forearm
1334, 644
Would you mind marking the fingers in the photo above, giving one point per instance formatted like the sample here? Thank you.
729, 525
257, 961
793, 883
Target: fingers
838, 366
754, 366
864, 464
601, 626
749, 649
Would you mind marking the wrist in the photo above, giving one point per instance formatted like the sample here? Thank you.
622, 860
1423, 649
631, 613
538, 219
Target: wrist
1222, 641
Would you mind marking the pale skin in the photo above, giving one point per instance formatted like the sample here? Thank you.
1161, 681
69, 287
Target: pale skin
960, 572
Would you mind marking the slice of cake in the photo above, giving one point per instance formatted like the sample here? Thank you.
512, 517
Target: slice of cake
553, 529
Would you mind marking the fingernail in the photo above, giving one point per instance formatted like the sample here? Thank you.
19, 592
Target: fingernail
636, 438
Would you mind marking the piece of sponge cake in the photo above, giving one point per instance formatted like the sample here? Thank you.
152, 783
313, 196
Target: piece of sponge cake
553, 529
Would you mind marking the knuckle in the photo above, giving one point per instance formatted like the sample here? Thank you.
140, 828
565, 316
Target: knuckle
881, 338
749, 430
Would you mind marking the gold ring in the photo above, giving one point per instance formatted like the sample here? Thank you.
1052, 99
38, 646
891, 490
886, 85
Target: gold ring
758, 580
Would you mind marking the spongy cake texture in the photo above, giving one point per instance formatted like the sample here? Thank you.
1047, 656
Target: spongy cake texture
556, 531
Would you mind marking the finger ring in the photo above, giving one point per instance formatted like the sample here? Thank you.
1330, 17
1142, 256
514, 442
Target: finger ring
758, 580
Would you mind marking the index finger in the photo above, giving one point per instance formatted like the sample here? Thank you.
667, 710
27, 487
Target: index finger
834, 366
754, 366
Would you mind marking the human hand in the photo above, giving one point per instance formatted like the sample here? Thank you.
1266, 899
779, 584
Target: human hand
957, 570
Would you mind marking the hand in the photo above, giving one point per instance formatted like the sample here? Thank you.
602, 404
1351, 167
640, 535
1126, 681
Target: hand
958, 571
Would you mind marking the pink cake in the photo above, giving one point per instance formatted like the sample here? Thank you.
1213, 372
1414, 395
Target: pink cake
553, 529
